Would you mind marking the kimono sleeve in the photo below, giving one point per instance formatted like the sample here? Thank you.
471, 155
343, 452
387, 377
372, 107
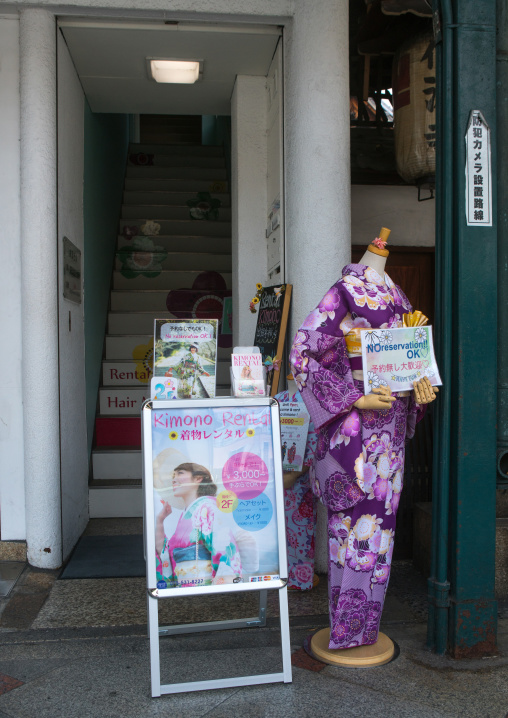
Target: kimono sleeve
320, 363
220, 540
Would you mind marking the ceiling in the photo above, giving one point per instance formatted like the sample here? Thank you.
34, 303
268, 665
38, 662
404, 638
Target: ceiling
111, 61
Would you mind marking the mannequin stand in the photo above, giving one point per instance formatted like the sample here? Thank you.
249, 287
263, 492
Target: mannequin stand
378, 654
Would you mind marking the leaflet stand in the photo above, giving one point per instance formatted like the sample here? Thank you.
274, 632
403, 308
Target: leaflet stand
213, 407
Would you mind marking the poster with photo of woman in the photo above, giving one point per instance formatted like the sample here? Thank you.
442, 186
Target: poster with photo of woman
212, 494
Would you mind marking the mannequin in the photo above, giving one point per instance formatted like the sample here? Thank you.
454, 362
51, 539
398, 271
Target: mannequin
359, 458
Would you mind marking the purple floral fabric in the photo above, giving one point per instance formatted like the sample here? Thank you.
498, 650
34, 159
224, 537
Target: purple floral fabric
359, 458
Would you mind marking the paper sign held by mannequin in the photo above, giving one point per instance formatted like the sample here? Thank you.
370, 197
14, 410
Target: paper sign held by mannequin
398, 357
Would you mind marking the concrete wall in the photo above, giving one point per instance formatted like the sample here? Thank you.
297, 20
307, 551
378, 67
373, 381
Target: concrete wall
106, 144
395, 207
248, 172
73, 446
12, 495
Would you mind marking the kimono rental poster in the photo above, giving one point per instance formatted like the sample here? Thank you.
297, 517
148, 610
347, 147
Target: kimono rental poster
185, 350
214, 496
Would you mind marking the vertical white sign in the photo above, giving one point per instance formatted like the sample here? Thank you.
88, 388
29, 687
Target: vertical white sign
478, 171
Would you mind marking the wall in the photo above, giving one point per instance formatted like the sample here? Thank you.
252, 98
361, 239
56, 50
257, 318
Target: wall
106, 144
395, 207
73, 442
248, 172
12, 495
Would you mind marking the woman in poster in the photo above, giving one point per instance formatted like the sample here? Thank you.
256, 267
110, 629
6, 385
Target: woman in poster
187, 370
203, 549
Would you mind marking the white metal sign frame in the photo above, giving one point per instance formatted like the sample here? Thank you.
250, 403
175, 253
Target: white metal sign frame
155, 594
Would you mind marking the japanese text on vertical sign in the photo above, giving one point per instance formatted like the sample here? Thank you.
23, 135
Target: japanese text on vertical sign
478, 171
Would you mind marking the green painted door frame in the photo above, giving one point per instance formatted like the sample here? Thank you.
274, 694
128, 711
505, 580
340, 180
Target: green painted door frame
462, 606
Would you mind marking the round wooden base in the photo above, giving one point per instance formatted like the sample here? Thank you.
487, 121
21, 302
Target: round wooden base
359, 657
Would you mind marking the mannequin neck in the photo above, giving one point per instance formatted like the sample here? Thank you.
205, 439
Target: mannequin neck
292, 388
374, 261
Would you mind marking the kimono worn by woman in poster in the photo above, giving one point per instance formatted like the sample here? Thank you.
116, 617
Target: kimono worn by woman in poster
359, 459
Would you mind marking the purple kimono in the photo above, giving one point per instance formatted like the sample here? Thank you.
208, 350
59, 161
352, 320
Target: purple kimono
359, 458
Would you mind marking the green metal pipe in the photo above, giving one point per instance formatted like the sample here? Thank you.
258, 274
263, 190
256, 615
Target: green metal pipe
502, 217
438, 582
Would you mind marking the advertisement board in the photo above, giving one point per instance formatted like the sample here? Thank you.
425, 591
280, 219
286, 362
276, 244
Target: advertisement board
214, 512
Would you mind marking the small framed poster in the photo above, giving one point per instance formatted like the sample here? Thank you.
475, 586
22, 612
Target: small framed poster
271, 329
186, 350
214, 505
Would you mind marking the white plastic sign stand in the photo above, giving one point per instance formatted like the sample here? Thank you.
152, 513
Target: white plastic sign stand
237, 441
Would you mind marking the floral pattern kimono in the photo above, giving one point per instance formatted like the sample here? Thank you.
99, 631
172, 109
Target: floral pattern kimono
203, 549
187, 370
359, 459
300, 513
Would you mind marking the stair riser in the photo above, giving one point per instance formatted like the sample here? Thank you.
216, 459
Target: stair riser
115, 502
142, 344
182, 227
116, 374
163, 212
191, 262
139, 301
117, 465
118, 431
201, 162
185, 244
193, 173
165, 280
177, 199
177, 185
175, 150
122, 402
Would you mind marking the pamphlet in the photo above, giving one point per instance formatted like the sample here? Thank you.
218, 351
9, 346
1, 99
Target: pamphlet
294, 427
185, 350
248, 375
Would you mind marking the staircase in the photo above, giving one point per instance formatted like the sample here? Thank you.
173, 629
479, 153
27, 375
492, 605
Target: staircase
160, 182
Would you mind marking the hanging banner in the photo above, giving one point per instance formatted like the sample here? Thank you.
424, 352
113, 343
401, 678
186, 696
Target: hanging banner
214, 498
478, 171
398, 357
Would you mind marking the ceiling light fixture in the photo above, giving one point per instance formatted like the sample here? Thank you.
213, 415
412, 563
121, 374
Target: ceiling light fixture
183, 72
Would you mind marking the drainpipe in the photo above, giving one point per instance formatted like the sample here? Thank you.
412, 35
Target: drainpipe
438, 584
502, 216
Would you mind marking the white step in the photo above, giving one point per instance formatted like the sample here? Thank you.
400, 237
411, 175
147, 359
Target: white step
183, 243
160, 197
181, 227
117, 464
124, 373
172, 160
196, 261
165, 280
136, 322
148, 184
198, 173
115, 502
122, 402
118, 347
200, 150
161, 211
143, 300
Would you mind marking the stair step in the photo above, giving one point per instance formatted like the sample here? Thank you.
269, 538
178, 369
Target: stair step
115, 501
123, 348
198, 173
176, 261
121, 323
164, 280
124, 373
117, 465
114, 431
172, 160
200, 150
182, 243
122, 402
147, 184
161, 197
142, 300
181, 227
161, 211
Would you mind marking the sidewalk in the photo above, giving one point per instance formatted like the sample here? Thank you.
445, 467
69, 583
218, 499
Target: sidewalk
78, 648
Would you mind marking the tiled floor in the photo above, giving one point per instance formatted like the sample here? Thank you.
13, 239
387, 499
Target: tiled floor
10, 571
